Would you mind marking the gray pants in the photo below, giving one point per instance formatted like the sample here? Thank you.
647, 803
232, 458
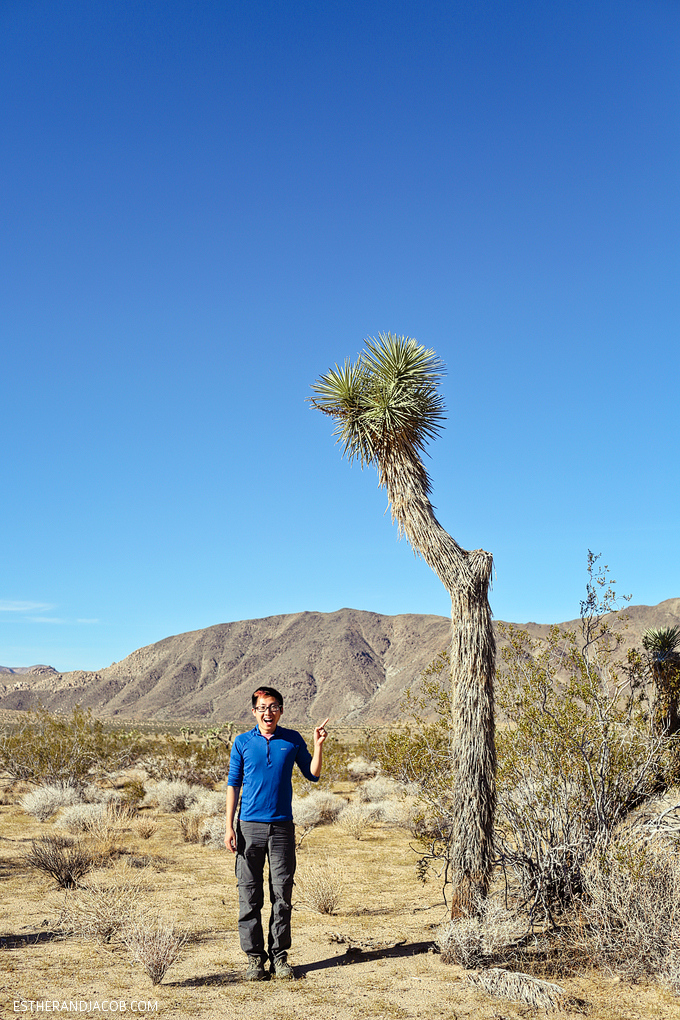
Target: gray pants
256, 841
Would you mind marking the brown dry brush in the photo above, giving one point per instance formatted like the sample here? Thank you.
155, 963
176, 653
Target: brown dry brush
387, 407
190, 825
64, 860
155, 944
100, 912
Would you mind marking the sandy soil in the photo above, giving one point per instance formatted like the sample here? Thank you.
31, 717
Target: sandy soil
386, 918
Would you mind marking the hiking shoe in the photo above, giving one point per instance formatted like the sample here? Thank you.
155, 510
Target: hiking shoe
280, 968
255, 971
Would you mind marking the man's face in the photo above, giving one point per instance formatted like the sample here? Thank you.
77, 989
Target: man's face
267, 712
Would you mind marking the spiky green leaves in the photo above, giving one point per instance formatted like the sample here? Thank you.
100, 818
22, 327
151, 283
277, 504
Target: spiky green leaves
661, 641
387, 402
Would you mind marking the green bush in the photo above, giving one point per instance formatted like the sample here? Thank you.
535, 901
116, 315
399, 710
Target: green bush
49, 749
576, 756
200, 758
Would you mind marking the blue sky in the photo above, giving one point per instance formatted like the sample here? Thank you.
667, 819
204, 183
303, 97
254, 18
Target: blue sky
205, 205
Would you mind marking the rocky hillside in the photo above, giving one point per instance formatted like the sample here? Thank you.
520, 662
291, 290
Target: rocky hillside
350, 665
39, 670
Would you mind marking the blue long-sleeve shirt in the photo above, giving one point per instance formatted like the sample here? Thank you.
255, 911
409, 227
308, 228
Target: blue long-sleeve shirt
264, 768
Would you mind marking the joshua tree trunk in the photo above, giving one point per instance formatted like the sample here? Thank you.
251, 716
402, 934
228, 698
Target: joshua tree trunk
466, 576
473, 654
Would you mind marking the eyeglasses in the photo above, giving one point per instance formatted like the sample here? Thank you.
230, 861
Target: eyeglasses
268, 708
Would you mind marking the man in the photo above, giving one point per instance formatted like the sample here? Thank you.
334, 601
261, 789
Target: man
262, 763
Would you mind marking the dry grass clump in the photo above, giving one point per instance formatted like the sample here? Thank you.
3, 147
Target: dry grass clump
380, 788
154, 943
213, 832
95, 794
402, 812
209, 802
209, 831
485, 937
190, 824
355, 818
63, 859
173, 795
45, 801
145, 828
318, 808
320, 886
79, 817
101, 820
631, 910
121, 812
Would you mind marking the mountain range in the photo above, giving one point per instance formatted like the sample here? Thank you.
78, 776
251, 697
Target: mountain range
351, 665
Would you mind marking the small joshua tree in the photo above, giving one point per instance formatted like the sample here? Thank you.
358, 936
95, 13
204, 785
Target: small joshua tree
660, 643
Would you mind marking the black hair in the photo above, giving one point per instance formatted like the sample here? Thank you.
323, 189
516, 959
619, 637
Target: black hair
269, 692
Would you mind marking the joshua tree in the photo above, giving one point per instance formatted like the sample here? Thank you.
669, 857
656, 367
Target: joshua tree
387, 407
660, 644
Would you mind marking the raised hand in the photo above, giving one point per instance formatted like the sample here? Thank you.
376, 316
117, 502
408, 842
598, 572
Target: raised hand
320, 734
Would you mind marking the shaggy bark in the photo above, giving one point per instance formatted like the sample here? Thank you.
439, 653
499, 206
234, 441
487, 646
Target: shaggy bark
466, 576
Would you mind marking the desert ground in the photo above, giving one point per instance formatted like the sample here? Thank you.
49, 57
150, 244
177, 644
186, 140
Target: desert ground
373, 957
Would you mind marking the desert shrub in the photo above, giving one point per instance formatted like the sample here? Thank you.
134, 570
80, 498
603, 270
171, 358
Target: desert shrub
55, 750
46, 800
63, 859
201, 759
355, 819
404, 812
359, 769
335, 758
145, 828
100, 912
483, 939
132, 792
631, 905
172, 796
320, 886
578, 756
79, 817
213, 831
99, 819
318, 808
417, 755
95, 794
154, 943
210, 802
190, 824
380, 788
